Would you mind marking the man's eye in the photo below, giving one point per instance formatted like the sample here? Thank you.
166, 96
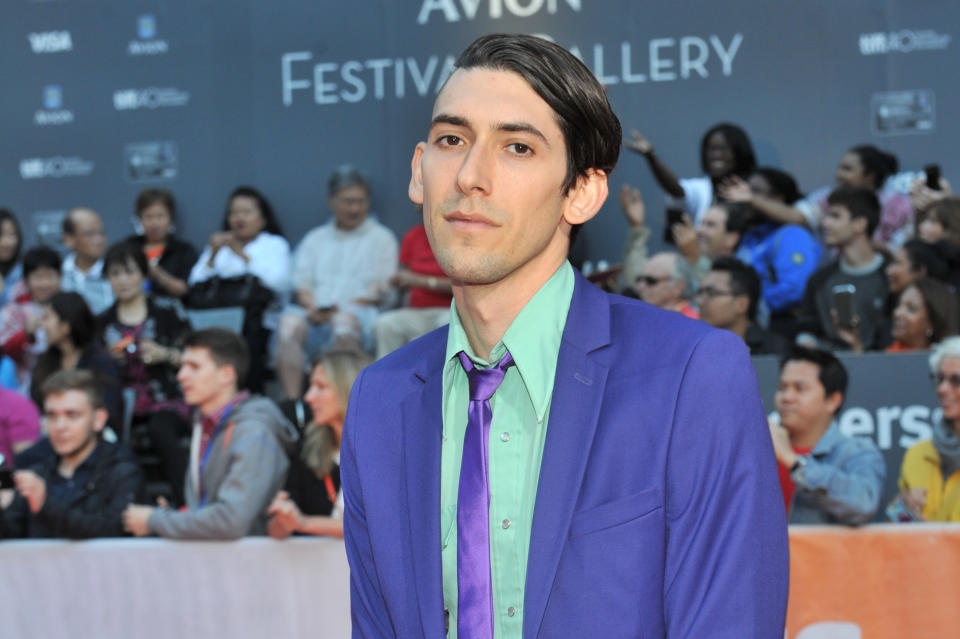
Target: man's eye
520, 148
449, 140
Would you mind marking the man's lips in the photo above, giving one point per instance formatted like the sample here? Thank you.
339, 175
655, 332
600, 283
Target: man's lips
468, 220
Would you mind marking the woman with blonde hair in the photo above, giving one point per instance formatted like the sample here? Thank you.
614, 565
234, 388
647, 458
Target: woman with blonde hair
312, 502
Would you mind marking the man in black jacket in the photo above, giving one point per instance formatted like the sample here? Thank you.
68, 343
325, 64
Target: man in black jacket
75, 484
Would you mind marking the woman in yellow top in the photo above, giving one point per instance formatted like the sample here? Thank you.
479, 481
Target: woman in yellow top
930, 474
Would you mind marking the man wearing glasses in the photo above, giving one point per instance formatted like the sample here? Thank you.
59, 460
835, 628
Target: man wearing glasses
728, 298
82, 269
667, 281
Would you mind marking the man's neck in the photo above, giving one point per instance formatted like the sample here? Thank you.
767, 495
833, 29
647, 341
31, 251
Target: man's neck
487, 310
858, 253
215, 403
84, 263
68, 465
740, 326
809, 437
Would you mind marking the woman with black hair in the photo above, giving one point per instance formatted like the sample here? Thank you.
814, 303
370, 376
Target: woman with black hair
251, 243
869, 167
917, 259
725, 152
169, 258
73, 342
144, 340
11, 273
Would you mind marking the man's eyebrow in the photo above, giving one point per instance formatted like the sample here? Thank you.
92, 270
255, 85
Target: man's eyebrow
522, 127
511, 127
455, 120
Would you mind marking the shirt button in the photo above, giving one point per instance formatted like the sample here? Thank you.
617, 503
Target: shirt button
511, 611
504, 437
505, 524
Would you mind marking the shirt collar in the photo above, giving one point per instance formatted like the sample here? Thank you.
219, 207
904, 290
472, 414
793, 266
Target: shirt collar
533, 338
70, 264
830, 438
210, 422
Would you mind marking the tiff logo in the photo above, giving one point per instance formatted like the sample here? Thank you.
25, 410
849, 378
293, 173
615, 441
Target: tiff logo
903, 41
50, 41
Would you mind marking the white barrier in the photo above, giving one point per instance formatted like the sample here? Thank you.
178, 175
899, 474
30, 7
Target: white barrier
158, 589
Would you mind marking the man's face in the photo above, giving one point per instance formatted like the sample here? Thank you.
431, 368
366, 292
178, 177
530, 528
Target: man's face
489, 178
88, 240
712, 236
72, 423
718, 305
839, 228
801, 399
350, 206
201, 379
657, 283
42, 283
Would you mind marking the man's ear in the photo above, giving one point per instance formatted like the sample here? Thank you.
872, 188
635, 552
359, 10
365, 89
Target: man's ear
586, 197
742, 304
834, 400
100, 417
415, 190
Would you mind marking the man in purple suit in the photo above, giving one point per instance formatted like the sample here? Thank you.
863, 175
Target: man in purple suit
559, 462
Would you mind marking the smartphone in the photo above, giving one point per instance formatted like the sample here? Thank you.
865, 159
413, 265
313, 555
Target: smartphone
6, 478
674, 216
933, 176
843, 304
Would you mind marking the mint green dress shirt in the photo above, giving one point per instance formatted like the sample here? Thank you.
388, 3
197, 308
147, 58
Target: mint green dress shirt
521, 407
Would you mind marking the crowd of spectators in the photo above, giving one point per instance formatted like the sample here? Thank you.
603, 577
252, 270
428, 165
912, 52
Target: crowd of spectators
213, 434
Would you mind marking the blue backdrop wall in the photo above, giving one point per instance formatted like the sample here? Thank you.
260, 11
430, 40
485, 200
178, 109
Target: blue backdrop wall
103, 98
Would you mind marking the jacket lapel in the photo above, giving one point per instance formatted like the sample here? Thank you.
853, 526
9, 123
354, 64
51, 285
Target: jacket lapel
577, 393
422, 431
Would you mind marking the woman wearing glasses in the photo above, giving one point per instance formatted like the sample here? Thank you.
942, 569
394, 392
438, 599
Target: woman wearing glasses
930, 474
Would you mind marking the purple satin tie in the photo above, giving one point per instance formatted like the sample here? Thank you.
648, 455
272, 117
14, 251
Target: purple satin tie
474, 585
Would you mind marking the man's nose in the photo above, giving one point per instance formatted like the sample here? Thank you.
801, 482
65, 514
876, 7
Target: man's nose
474, 173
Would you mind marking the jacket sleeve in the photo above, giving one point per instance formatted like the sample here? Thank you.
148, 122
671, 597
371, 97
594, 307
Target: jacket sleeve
808, 318
726, 572
849, 491
368, 608
123, 484
258, 465
793, 261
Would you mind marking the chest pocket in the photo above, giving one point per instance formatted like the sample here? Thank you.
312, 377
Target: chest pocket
615, 513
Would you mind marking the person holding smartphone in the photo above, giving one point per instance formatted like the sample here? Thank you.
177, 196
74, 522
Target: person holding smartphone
849, 293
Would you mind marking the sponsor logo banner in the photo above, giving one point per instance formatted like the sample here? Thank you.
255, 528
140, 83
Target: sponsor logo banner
903, 41
50, 41
143, 161
55, 167
901, 112
147, 42
151, 98
52, 113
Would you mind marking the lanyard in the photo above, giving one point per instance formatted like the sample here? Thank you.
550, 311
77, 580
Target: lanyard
206, 453
331, 493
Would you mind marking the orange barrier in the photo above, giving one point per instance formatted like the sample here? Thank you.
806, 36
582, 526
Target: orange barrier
876, 582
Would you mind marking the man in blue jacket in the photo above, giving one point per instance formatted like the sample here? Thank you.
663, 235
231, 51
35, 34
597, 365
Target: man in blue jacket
559, 462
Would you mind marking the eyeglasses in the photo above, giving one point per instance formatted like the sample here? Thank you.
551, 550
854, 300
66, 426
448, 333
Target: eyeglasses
709, 291
953, 379
650, 280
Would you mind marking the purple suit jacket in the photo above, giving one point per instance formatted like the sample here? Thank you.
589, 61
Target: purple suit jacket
658, 511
